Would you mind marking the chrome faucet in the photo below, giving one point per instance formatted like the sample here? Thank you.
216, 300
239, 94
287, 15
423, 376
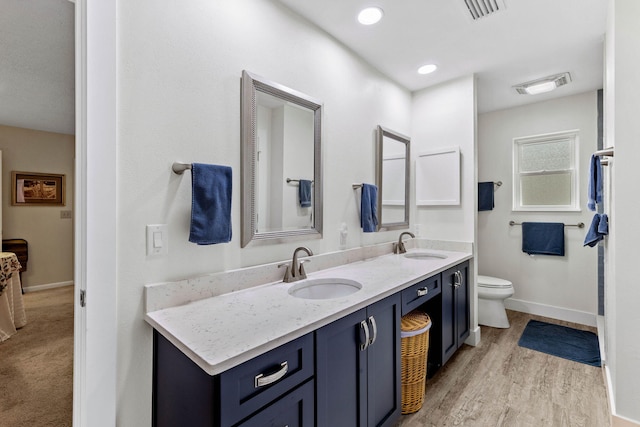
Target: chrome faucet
398, 248
295, 271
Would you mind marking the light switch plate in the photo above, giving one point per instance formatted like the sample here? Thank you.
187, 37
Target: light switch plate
157, 239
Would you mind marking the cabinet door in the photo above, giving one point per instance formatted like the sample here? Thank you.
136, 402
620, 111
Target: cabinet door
383, 377
449, 337
455, 309
341, 367
462, 305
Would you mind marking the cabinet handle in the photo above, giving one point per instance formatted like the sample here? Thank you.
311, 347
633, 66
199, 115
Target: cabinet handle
262, 380
372, 321
458, 280
365, 328
423, 291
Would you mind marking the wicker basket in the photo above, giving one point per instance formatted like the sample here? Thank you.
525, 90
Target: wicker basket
414, 345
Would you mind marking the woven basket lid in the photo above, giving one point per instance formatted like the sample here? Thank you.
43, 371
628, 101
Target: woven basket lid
414, 321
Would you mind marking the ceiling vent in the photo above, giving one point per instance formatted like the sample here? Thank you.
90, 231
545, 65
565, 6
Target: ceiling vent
483, 8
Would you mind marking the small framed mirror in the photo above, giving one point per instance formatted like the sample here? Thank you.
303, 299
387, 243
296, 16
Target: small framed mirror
281, 161
392, 179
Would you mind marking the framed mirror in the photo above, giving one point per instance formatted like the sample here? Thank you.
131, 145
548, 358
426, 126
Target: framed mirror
281, 161
392, 179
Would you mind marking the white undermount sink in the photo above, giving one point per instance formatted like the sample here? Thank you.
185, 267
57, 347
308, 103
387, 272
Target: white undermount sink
424, 255
324, 288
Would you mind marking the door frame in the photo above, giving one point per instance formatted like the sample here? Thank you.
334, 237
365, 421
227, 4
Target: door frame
95, 267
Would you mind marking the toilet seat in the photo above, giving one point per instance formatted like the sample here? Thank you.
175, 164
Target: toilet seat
493, 282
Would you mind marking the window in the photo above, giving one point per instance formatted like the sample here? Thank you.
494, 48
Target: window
545, 172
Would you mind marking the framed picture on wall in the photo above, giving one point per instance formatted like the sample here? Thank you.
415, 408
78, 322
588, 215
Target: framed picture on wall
36, 189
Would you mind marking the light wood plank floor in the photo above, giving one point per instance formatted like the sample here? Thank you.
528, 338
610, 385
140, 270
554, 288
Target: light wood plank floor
499, 383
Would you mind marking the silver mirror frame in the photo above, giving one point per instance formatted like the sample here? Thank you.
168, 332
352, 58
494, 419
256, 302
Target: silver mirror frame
250, 84
380, 134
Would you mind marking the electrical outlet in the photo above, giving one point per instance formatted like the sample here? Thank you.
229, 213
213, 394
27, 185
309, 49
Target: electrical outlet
66, 214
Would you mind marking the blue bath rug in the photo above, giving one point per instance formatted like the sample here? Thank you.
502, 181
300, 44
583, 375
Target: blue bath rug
561, 341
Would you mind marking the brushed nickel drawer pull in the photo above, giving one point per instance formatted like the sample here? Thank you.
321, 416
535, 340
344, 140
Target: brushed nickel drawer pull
423, 291
262, 380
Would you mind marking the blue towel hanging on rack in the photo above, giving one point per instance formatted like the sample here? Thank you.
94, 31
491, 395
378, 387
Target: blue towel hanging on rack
485, 196
598, 230
211, 204
543, 238
594, 191
369, 208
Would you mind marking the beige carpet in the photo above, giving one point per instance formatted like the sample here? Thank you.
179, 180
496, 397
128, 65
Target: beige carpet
36, 364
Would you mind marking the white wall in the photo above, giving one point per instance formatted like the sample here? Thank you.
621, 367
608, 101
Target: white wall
568, 282
50, 238
444, 116
622, 290
179, 68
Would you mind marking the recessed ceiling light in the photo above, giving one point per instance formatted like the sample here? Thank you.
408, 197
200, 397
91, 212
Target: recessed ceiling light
545, 84
370, 15
427, 69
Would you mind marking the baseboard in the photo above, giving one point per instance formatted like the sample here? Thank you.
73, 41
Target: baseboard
474, 337
46, 286
553, 312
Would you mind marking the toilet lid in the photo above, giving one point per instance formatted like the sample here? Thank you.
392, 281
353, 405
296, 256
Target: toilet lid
493, 282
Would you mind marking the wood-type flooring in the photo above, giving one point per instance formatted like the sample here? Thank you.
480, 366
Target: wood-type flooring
499, 383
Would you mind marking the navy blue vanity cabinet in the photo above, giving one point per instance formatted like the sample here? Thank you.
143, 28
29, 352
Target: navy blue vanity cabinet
358, 368
418, 294
455, 309
277, 385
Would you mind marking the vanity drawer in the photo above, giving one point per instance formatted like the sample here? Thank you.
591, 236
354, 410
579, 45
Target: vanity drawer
296, 409
420, 293
259, 381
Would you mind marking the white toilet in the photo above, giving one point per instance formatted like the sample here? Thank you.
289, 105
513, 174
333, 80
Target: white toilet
491, 295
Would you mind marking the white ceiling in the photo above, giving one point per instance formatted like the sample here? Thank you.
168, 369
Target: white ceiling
37, 65
527, 40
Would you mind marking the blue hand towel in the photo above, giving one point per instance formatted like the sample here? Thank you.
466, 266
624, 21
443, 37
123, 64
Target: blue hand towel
485, 196
595, 183
369, 208
598, 229
543, 238
304, 193
211, 204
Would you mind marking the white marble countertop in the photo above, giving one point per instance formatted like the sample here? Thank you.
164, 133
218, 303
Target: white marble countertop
223, 331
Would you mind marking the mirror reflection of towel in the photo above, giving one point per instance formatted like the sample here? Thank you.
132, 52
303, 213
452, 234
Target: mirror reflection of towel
211, 204
543, 238
304, 193
369, 208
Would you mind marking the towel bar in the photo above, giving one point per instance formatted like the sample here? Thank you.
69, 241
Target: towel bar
289, 180
606, 152
356, 186
179, 168
579, 225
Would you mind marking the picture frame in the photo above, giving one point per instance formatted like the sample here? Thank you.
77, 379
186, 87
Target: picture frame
37, 189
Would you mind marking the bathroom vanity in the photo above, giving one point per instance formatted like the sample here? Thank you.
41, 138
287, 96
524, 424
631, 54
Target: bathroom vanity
262, 357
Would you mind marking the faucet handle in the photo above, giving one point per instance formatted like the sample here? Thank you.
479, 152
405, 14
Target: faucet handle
287, 272
303, 274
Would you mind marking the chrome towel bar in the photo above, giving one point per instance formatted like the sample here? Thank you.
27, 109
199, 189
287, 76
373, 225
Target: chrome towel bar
579, 225
179, 168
